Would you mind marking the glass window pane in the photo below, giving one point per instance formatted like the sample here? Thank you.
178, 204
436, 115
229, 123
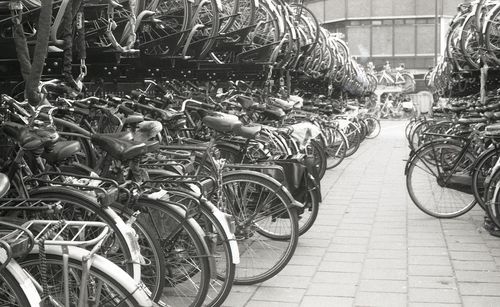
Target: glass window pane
376, 22
382, 40
359, 40
387, 22
404, 40
425, 39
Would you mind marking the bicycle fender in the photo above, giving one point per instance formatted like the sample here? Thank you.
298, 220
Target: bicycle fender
25, 282
104, 265
481, 157
414, 153
221, 217
292, 201
132, 243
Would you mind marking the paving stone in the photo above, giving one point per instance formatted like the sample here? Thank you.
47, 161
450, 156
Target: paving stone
429, 260
345, 257
298, 270
474, 265
315, 301
270, 304
480, 289
478, 276
332, 289
291, 295
478, 301
433, 295
338, 266
377, 285
237, 299
472, 256
284, 281
393, 274
305, 260
433, 282
430, 270
344, 248
380, 299
337, 277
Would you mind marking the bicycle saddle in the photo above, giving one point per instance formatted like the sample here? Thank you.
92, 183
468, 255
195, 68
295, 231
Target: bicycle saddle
248, 131
471, 120
61, 151
273, 112
147, 130
280, 103
4, 184
221, 122
491, 107
492, 130
121, 149
245, 101
133, 119
31, 139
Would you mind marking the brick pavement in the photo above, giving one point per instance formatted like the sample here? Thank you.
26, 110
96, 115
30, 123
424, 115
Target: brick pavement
370, 246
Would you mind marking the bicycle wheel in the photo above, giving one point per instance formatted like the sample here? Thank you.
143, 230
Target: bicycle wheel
102, 288
219, 244
354, 139
319, 155
266, 225
492, 198
186, 253
439, 180
154, 270
12, 292
308, 214
77, 206
373, 127
482, 171
336, 151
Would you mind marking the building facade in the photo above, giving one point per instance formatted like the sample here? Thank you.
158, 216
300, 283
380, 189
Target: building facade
399, 31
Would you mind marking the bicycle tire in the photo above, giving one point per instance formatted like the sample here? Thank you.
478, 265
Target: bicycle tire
308, 214
32, 262
187, 281
249, 236
221, 284
448, 206
77, 198
319, 155
481, 171
336, 151
373, 126
492, 200
154, 270
354, 138
12, 291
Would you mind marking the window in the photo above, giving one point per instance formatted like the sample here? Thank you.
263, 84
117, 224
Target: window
376, 22
387, 22
359, 41
399, 22
410, 21
355, 22
425, 39
404, 40
382, 40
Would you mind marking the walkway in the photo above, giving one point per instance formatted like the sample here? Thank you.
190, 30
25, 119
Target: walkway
372, 247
